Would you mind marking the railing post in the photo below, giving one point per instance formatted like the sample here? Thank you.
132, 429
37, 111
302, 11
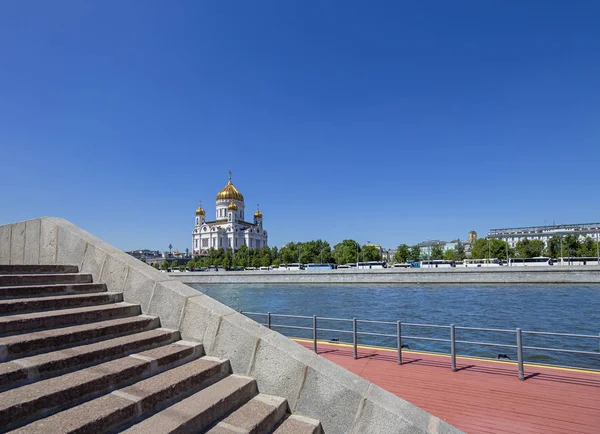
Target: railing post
520, 354
453, 346
269, 320
354, 337
399, 337
315, 333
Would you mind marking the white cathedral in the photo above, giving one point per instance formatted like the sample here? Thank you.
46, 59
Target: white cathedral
229, 230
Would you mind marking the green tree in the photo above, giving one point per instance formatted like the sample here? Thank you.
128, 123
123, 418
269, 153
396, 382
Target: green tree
346, 252
226, 260
241, 256
587, 248
571, 245
164, 266
402, 254
527, 248
553, 248
459, 251
450, 255
155, 265
482, 248
415, 253
370, 253
289, 253
437, 251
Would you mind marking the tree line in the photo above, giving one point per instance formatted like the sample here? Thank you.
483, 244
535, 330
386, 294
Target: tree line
567, 246
350, 251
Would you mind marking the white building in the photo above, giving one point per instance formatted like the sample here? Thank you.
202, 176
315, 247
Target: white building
229, 230
513, 235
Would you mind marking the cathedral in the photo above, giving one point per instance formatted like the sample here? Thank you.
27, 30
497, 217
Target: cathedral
229, 230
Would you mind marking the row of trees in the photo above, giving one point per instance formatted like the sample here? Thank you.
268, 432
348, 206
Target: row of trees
567, 246
350, 251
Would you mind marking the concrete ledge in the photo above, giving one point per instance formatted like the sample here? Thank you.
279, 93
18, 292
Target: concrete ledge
313, 386
514, 275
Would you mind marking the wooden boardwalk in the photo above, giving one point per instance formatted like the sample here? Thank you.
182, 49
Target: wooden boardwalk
482, 396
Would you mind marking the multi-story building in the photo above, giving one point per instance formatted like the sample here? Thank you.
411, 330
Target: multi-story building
513, 235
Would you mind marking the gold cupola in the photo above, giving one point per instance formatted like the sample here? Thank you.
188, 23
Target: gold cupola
200, 210
232, 206
258, 214
229, 192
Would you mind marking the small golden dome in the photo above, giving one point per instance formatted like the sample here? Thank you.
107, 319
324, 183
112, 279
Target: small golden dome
229, 192
232, 206
258, 214
200, 211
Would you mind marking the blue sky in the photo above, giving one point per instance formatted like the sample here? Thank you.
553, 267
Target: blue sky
387, 122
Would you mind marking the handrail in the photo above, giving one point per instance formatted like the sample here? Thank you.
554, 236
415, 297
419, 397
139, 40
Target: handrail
399, 336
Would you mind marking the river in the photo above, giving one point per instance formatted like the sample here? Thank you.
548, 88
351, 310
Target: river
546, 308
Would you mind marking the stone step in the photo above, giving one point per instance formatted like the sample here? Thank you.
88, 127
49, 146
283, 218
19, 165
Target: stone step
37, 269
258, 416
10, 292
25, 322
32, 401
127, 405
296, 424
28, 344
42, 279
47, 365
23, 305
201, 410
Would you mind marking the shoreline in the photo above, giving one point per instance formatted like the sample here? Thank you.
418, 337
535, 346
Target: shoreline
522, 275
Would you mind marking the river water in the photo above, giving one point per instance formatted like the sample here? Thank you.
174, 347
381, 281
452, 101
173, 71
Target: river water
545, 308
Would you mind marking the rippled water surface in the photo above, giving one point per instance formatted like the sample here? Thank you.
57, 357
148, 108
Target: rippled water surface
548, 308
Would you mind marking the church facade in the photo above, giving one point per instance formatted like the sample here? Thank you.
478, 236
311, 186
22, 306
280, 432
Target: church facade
229, 229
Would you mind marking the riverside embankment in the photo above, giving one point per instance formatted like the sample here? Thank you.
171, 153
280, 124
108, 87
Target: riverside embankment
514, 275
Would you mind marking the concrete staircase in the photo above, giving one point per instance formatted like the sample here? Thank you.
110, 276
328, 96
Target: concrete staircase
76, 358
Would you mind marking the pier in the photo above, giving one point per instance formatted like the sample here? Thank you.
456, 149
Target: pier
482, 396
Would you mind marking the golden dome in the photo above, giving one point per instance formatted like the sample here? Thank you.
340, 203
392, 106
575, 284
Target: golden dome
258, 214
229, 192
232, 206
200, 211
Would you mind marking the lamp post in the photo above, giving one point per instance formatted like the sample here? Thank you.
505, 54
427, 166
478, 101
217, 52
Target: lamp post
598, 248
562, 255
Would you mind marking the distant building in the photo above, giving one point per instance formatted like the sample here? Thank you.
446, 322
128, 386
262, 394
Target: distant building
513, 235
229, 230
472, 237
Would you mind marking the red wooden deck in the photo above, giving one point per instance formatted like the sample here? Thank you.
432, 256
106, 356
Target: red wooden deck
482, 396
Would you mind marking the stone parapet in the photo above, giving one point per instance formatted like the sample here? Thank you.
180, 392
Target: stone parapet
313, 386
583, 274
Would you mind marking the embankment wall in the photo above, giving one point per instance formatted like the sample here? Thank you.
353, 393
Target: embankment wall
510, 275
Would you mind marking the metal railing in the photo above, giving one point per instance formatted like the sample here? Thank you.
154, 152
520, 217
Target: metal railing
434, 336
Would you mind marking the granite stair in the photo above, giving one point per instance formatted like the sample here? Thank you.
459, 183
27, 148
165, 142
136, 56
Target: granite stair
77, 358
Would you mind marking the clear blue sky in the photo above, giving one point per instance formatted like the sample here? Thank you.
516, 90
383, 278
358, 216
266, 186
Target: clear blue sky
387, 122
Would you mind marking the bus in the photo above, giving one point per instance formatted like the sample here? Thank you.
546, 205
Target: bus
437, 263
292, 267
482, 262
320, 267
402, 265
540, 261
371, 265
588, 260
